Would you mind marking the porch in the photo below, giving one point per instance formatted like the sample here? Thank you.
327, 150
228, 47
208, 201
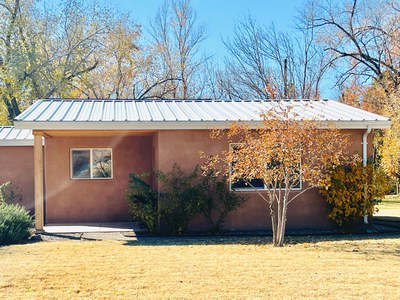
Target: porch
97, 227
70, 196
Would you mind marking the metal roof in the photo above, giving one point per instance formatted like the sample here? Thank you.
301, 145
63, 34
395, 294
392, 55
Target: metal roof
10, 136
90, 114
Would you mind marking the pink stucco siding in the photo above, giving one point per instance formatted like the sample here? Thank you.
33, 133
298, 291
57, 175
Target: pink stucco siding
87, 200
308, 211
92, 200
16, 165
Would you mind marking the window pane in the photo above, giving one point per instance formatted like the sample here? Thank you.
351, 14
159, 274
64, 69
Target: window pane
255, 183
101, 163
297, 184
294, 179
80, 163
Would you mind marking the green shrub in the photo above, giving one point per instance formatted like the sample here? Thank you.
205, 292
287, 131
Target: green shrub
182, 196
218, 200
15, 224
180, 199
142, 199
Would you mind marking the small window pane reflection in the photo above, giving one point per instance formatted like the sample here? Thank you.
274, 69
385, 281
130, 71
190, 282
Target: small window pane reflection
81, 163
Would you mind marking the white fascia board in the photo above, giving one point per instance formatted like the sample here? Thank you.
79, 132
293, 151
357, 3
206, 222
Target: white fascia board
175, 125
18, 143
360, 124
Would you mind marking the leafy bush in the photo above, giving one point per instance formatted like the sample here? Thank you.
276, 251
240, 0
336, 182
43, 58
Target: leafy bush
142, 199
182, 196
9, 193
180, 199
15, 224
218, 200
352, 191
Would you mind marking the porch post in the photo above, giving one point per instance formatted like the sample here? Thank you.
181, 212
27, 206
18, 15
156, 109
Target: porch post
38, 181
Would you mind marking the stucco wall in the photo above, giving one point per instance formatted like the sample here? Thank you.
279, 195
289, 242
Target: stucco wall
308, 211
90, 200
16, 164
69, 200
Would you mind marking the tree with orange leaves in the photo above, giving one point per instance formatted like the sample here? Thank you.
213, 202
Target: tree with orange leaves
290, 156
371, 98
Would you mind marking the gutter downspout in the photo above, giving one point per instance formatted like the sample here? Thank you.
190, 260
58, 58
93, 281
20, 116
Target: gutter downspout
365, 157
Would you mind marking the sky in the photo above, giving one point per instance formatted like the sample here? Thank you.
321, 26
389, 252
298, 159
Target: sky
219, 16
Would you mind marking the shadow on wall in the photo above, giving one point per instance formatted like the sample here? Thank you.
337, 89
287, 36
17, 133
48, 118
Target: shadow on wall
11, 194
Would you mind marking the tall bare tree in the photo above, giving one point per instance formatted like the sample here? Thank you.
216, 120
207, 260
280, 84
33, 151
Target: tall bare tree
265, 63
362, 36
177, 38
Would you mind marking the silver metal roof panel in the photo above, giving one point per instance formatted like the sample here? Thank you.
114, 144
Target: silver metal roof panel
181, 114
155, 112
120, 111
10, 136
177, 111
165, 110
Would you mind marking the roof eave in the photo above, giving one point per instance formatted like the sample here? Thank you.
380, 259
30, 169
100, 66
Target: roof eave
15, 143
176, 125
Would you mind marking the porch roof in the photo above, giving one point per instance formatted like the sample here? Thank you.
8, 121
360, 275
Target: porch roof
96, 114
10, 136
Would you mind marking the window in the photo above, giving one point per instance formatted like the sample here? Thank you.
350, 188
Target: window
242, 185
91, 163
294, 179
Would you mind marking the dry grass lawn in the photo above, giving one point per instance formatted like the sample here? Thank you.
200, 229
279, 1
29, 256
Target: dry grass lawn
390, 202
203, 268
390, 206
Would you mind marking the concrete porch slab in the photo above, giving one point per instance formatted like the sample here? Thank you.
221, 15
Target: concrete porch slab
93, 227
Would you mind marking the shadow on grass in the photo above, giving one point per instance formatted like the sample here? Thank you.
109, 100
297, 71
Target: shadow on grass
259, 239
365, 244
52, 237
371, 246
395, 220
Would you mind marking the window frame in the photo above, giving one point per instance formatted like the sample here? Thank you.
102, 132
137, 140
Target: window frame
249, 189
90, 164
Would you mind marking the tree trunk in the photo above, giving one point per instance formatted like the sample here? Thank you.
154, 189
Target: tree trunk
282, 222
12, 108
274, 223
10, 111
278, 219
15, 107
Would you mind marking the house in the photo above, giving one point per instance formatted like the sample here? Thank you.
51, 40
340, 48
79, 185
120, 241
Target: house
90, 147
16, 161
